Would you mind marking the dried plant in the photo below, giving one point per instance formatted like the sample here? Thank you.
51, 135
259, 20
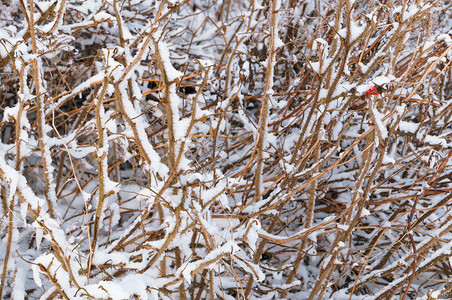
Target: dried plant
226, 149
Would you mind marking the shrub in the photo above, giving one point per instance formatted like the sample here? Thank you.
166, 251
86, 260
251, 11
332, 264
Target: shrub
225, 149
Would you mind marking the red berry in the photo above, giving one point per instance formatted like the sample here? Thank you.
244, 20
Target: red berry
372, 91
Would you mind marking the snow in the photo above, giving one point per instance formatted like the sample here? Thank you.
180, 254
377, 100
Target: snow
20, 279
188, 269
8, 44
361, 89
252, 235
202, 228
409, 127
365, 212
39, 233
445, 38
251, 268
388, 160
80, 152
379, 119
77, 90
139, 122
356, 30
343, 227
319, 44
382, 80
134, 284
278, 43
18, 183
171, 72
36, 275
321, 66
434, 140
103, 16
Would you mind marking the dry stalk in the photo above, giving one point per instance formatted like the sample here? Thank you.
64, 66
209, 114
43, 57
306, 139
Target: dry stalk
102, 173
45, 151
249, 190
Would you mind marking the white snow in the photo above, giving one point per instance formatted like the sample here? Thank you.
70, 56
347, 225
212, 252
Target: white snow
409, 127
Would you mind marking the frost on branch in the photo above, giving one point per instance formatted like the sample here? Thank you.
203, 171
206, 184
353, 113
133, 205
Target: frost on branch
225, 149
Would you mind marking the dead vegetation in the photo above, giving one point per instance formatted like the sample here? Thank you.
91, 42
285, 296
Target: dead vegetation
217, 150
